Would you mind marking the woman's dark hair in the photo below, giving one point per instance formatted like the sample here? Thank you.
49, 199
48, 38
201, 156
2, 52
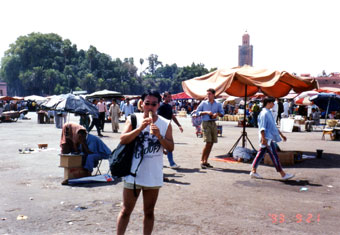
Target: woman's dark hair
153, 93
268, 100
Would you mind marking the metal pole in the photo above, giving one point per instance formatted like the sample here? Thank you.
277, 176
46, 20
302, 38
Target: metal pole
327, 110
244, 118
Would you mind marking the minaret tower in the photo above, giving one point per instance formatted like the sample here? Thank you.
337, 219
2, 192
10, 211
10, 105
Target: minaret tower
245, 52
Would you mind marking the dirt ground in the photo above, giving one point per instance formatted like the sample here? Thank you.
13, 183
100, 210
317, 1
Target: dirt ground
222, 200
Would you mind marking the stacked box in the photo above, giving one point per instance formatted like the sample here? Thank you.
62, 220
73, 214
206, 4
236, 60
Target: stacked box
67, 160
74, 173
286, 158
72, 165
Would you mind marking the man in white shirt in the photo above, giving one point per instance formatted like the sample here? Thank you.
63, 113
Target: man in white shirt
285, 109
275, 110
101, 105
128, 109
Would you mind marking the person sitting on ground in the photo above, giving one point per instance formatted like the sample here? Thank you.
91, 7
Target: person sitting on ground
74, 139
314, 119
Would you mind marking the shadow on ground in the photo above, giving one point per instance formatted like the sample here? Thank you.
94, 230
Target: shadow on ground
327, 160
296, 182
95, 184
169, 178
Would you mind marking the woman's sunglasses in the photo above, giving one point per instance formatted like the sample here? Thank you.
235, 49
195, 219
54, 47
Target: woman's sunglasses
152, 104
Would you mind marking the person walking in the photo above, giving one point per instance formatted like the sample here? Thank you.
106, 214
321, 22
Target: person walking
268, 136
275, 110
285, 109
101, 105
153, 134
209, 109
165, 110
280, 111
114, 114
128, 109
95, 122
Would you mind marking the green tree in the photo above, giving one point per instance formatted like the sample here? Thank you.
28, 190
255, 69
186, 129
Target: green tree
154, 63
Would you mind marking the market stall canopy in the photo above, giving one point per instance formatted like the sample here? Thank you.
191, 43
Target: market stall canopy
132, 97
104, 94
180, 96
36, 98
234, 81
291, 95
258, 95
223, 95
18, 97
8, 98
233, 99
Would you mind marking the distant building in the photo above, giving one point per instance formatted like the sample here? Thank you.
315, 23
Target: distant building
3, 88
332, 80
245, 52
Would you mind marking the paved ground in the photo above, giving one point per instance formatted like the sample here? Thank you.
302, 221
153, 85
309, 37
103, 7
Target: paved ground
223, 200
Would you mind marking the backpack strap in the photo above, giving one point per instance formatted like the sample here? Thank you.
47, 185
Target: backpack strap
135, 174
133, 121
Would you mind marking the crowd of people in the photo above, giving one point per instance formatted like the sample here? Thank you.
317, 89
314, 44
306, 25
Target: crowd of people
155, 114
153, 135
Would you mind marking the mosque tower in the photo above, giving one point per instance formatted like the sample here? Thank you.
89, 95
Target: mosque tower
245, 52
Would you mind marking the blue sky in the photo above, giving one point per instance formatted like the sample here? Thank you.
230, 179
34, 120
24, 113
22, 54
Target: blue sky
295, 36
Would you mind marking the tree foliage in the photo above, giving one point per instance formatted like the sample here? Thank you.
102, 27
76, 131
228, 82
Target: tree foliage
45, 64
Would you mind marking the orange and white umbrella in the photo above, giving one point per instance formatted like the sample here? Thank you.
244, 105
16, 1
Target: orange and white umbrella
303, 101
329, 90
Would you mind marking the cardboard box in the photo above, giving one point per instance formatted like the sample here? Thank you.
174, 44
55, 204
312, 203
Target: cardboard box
74, 173
67, 160
286, 158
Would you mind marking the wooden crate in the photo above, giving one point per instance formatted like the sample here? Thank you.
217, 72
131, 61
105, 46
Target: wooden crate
286, 158
74, 173
67, 160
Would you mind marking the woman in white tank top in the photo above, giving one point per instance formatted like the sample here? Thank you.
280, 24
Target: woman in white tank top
153, 135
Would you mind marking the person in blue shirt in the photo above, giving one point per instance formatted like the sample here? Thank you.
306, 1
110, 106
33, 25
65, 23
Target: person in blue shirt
268, 136
209, 110
94, 149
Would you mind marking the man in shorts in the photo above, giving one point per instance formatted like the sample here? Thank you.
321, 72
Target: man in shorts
209, 110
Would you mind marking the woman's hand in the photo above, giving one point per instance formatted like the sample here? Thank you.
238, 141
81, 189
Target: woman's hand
145, 123
154, 130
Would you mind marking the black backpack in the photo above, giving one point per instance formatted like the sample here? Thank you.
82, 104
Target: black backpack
120, 159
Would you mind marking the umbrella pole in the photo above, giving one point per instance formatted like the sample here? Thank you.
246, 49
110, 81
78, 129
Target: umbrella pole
243, 133
329, 101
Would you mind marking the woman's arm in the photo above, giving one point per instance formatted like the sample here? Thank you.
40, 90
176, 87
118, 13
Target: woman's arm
167, 142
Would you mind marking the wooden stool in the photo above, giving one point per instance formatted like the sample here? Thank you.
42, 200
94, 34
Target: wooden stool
327, 132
